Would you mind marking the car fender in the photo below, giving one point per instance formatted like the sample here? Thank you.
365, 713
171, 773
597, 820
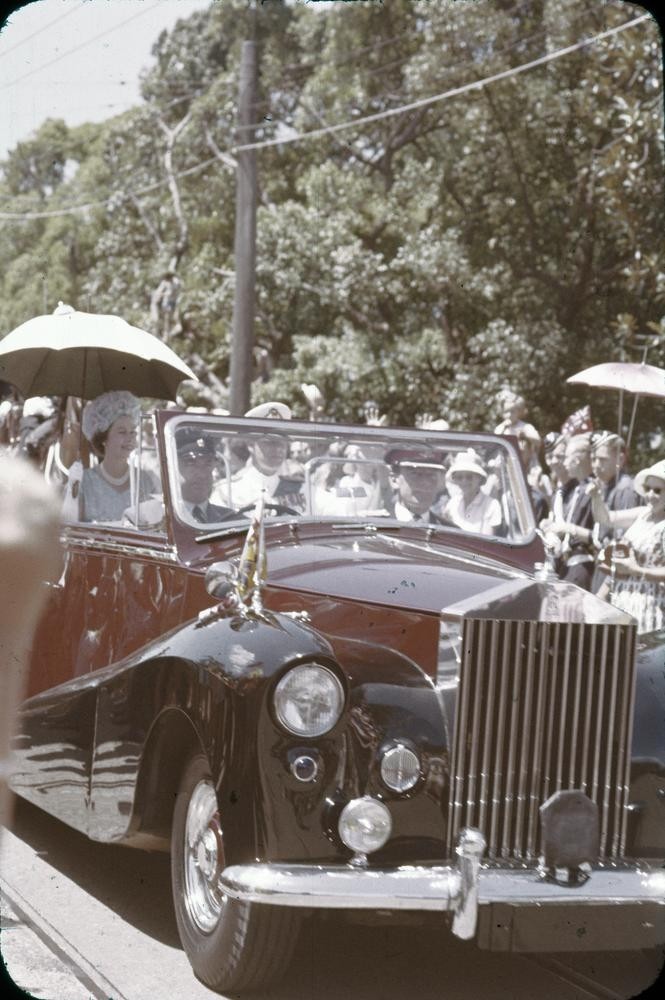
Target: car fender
81, 746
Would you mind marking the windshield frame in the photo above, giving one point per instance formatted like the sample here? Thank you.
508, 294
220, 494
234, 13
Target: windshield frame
352, 434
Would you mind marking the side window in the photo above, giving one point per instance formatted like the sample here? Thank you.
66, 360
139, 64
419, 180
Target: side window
132, 498
146, 508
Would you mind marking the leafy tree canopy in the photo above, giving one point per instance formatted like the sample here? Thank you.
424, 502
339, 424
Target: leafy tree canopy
509, 235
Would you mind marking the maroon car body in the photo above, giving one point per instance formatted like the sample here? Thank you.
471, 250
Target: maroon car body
402, 716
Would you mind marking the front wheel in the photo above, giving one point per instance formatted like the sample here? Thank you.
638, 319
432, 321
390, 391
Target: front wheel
232, 946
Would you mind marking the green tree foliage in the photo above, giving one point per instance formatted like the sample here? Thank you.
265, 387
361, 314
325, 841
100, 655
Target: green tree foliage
507, 235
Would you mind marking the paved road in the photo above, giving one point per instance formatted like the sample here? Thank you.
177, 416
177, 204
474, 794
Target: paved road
104, 915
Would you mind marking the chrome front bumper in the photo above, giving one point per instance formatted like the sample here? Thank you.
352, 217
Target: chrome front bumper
460, 889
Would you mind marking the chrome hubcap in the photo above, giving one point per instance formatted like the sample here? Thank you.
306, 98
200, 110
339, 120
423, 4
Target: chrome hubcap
204, 858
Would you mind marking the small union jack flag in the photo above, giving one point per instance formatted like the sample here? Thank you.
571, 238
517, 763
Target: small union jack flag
579, 422
252, 568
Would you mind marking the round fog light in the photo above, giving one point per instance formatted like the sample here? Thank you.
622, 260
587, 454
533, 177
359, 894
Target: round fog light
304, 768
365, 825
400, 768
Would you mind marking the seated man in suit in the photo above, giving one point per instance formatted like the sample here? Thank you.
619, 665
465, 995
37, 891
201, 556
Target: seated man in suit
420, 485
196, 460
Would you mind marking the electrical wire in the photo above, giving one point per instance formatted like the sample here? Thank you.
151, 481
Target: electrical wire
424, 102
356, 123
45, 27
77, 48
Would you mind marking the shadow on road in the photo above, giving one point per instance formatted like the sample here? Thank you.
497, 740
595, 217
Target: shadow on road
135, 884
334, 958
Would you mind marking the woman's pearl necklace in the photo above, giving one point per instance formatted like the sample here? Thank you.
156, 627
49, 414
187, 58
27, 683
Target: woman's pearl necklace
114, 480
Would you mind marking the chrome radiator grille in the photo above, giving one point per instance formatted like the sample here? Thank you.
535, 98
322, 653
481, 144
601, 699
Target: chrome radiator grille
540, 707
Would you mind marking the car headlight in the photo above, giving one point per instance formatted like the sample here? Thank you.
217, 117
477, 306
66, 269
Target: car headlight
365, 825
400, 768
309, 700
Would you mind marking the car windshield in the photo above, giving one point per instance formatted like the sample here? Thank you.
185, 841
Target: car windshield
219, 467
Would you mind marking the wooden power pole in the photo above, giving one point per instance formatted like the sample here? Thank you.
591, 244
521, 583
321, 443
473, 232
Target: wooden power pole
245, 239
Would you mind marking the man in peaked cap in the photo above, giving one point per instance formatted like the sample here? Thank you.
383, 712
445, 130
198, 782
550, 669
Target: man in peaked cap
196, 460
270, 411
419, 481
268, 466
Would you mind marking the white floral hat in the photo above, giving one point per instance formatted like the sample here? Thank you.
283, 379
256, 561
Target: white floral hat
100, 413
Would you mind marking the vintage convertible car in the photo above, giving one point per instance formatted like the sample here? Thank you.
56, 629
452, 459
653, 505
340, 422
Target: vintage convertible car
353, 687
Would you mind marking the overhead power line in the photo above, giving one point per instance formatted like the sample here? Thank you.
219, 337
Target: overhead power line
465, 88
44, 27
77, 48
355, 123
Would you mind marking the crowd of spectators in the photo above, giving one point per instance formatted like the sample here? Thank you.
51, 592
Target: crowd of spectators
604, 529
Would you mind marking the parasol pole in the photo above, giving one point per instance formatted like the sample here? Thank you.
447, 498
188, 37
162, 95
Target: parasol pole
632, 416
620, 421
632, 422
135, 482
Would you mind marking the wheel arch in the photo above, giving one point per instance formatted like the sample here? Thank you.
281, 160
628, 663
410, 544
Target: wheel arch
171, 742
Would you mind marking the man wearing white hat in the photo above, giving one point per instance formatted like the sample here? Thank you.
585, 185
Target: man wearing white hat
270, 411
268, 467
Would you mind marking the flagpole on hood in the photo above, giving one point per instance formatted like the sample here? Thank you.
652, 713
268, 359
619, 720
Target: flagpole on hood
252, 567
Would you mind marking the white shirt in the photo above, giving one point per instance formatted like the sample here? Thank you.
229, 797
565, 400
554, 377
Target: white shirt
246, 487
481, 515
402, 513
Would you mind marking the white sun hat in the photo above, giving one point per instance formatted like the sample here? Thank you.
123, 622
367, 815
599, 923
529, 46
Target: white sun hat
466, 461
656, 471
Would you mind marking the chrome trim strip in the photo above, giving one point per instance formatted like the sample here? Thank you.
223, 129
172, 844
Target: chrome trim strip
549, 741
626, 727
497, 794
488, 757
561, 742
610, 778
601, 696
579, 780
620, 800
476, 724
436, 887
512, 742
457, 784
521, 849
165, 554
539, 732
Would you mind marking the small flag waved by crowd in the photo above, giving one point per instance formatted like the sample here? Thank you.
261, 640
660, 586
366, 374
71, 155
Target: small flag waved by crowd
579, 422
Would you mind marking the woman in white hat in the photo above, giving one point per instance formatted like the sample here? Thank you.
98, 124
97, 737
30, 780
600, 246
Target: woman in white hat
468, 507
105, 492
640, 585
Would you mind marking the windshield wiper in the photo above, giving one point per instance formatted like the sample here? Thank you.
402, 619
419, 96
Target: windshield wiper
241, 529
212, 536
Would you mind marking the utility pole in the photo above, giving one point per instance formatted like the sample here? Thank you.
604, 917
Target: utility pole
245, 238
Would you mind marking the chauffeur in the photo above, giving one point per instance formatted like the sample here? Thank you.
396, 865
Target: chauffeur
196, 460
419, 481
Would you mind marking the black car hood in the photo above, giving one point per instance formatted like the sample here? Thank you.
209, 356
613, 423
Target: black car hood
427, 576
